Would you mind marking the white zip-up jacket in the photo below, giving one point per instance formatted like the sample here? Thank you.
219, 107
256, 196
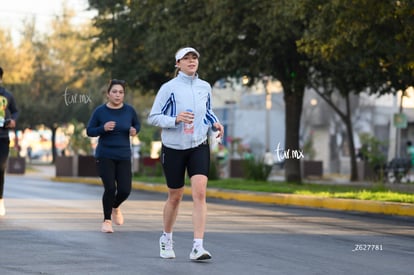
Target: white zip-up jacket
175, 96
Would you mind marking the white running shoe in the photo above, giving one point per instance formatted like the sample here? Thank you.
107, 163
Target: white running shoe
2, 208
107, 227
199, 254
117, 216
166, 248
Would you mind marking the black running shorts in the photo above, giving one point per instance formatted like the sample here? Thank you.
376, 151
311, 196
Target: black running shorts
175, 162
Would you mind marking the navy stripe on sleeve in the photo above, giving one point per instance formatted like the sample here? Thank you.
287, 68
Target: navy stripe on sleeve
209, 115
170, 104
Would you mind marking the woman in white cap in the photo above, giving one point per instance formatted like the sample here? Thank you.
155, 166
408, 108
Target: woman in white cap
182, 108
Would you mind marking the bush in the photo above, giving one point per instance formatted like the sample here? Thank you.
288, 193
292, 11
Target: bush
256, 170
153, 170
372, 151
214, 170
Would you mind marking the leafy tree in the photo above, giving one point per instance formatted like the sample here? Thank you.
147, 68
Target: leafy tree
63, 85
255, 38
17, 61
355, 48
124, 30
294, 41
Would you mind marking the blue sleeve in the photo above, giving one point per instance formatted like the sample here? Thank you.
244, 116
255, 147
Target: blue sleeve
135, 121
94, 128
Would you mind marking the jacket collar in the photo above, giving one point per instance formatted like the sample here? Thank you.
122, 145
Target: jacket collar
186, 78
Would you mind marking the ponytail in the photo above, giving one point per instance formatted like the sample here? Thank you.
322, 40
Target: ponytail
176, 71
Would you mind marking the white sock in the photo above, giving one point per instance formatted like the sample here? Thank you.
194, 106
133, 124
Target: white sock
168, 236
197, 243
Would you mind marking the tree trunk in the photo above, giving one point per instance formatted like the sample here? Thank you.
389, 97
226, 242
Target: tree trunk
54, 153
348, 123
293, 111
346, 118
53, 128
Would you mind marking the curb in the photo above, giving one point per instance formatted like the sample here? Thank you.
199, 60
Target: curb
377, 207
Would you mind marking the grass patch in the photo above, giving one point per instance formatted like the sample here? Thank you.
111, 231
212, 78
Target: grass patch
369, 192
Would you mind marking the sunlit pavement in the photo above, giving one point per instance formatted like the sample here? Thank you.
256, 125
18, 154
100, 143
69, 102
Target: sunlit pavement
388, 208
53, 227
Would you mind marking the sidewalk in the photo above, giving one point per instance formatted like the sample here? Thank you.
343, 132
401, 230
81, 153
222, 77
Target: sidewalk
377, 207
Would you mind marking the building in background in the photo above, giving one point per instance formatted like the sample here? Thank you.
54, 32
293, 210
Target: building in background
255, 116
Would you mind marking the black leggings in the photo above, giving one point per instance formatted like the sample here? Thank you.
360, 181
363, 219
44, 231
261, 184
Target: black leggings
4, 153
116, 177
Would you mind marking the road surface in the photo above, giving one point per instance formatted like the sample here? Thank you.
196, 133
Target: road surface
54, 228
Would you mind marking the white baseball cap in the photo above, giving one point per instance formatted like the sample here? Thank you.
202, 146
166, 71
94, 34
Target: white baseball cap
182, 52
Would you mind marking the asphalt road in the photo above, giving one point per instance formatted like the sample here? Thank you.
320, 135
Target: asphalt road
54, 228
